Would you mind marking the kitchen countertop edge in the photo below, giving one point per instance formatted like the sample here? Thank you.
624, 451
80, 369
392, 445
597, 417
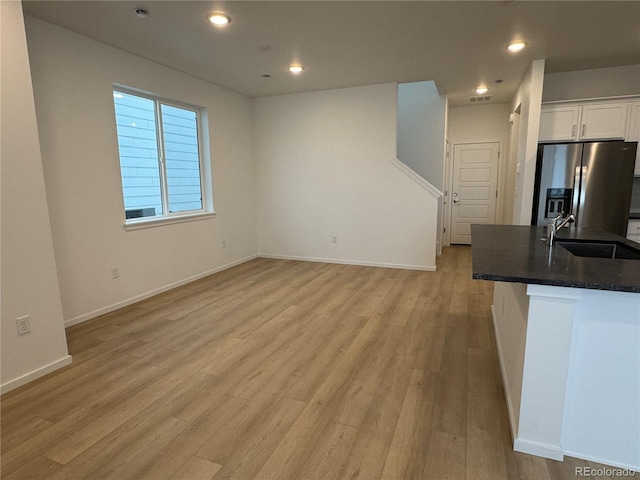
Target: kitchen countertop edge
514, 253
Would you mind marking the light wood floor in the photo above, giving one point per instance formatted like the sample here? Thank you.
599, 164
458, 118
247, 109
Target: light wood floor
280, 370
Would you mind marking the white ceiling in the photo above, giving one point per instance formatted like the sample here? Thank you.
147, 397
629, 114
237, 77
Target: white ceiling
458, 44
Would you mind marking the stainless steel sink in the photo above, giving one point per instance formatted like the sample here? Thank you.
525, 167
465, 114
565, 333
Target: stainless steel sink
614, 250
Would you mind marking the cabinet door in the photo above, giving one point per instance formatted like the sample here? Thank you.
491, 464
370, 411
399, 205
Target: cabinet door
604, 121
633, 135
559, 123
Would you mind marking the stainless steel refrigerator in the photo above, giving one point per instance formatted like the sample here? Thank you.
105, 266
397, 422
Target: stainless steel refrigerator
592, 180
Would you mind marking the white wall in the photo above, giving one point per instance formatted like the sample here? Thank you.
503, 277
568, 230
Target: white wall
422, 120
528, 100
479, 123
421, 124
73, 77
509, 170
29, 281
594, 83
324, 168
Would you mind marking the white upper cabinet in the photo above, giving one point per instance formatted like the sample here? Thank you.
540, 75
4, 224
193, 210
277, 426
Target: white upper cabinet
603, 121
633, 135
558, 124
588, 121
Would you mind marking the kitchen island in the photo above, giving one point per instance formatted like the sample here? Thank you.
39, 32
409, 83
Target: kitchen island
568, 337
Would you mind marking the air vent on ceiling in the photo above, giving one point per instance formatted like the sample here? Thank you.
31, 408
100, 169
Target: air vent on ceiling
481, 98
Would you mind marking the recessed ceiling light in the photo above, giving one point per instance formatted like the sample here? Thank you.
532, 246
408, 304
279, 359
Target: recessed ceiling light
219, 18
482, 90
516, 46
142, 13
296, 68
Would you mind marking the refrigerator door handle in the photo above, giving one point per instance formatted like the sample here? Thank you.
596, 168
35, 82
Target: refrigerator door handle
584, 170
577, 194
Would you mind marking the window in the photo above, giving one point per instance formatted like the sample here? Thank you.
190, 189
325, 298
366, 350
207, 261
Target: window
160, 159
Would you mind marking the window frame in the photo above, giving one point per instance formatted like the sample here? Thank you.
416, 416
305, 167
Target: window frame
204, 162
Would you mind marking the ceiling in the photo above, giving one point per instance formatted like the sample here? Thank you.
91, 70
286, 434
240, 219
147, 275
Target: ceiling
458, 44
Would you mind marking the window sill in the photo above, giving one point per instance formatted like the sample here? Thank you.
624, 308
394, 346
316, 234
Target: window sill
158, 222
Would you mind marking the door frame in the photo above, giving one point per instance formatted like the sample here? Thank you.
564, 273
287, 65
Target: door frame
449, 185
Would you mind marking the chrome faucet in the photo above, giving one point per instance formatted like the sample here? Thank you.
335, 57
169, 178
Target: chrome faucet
553, 227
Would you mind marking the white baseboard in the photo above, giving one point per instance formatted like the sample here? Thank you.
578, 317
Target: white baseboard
603, 461
110, 308
143, 296
538, 449
350, 262
31, 376
505, 379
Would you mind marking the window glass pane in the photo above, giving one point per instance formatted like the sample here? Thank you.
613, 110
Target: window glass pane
138, 146
182, 159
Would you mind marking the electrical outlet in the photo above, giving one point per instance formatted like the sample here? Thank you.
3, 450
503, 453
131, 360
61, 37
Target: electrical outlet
334, 239
115, 272
24, 325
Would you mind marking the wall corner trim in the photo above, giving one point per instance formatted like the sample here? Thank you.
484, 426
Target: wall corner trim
416, 178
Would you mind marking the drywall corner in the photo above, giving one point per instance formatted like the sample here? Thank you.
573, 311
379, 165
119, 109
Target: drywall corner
28, 274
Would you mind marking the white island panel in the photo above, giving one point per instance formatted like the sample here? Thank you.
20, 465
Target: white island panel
510, 311
602, 414
573, 384
546, 369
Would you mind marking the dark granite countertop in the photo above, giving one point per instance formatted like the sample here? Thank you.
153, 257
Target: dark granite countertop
634, 215
511, 253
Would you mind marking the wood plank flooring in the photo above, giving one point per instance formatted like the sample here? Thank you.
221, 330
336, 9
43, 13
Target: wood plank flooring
280, 370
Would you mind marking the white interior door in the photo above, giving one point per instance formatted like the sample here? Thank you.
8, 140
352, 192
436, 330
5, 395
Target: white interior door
474, 189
